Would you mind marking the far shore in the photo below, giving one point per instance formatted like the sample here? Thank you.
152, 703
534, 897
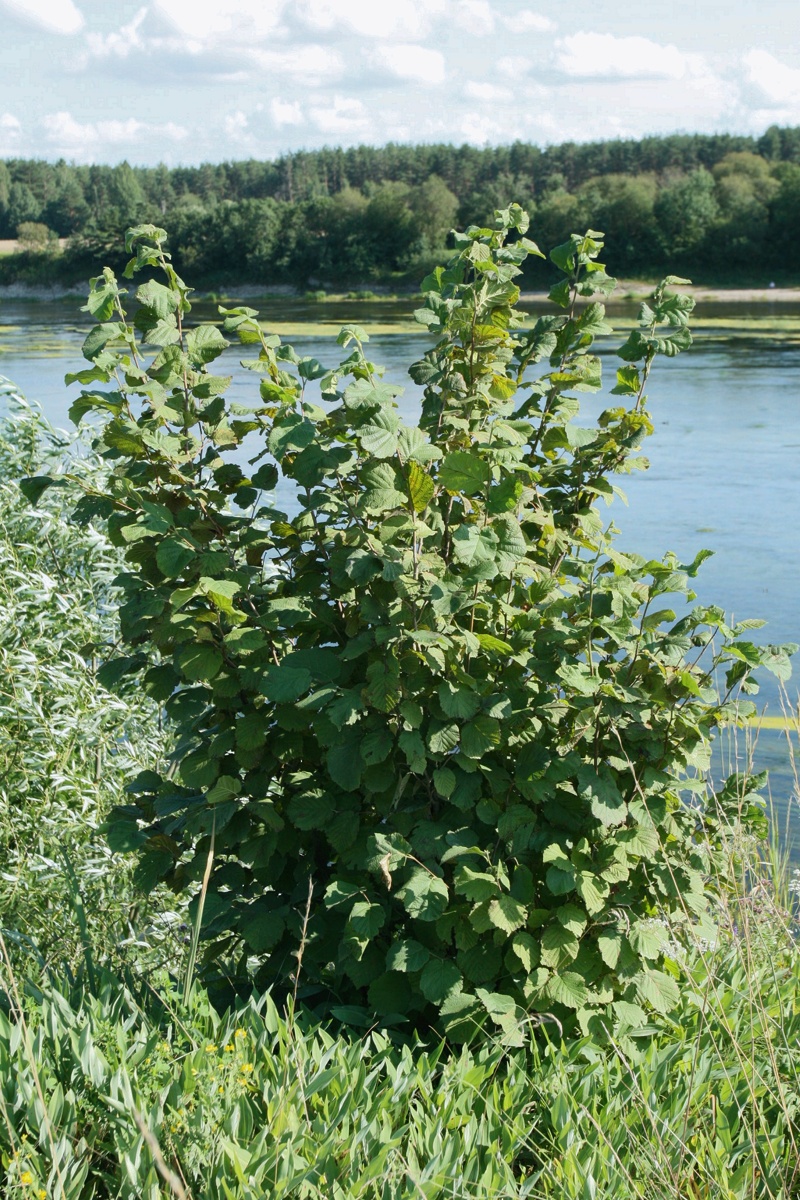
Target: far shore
627, 290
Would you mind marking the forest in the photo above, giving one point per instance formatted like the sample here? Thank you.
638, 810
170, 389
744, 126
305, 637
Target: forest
318, 219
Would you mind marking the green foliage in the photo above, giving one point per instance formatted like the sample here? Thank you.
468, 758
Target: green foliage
95, 1082
67, 745
353, 215
435, 694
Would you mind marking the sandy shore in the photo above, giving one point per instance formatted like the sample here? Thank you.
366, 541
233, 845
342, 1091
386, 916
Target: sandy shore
635, 289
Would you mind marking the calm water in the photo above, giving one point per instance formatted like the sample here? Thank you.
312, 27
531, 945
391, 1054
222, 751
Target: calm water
724, 458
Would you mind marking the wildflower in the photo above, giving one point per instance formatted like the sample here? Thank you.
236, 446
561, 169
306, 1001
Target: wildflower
240, 1033
26, 1177
211, 1048
229, 1048
41, 1194
220, 1088
246, 1068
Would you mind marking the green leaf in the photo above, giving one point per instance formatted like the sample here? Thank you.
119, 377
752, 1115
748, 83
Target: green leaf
227, 787
507, 914
464, 472
420, 487
408, 956
610, 946
568, 989
439, 979
311, 810
290, 433
424, 896
458, 701
366, 919
34, 486
345, 766
200, 661
443, 738
204, 344
479, 736
379, 437
444, 781
172, 556
657, 989
475, 885
283, 684
648, 938
559, 946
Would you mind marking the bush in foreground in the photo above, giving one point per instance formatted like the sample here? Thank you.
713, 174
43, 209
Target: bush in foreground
433, 732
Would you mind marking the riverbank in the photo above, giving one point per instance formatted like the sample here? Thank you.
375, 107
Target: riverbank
382, 293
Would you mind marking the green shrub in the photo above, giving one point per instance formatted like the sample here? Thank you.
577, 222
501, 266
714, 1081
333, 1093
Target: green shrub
435, 736
67, 745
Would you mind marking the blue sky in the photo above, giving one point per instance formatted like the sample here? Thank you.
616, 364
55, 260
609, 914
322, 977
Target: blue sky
185, 81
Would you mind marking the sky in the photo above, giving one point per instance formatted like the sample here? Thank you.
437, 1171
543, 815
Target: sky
189, 81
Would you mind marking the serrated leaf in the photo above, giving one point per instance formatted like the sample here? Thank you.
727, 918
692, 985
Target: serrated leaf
439, 979
507, 914
310, 810
204, 344
464, 472
458, 702
227, 787
172, 556
559, 946
424, 896
610, 946
200, 661
568, 989
408, 956
657, 989
379, 436
366, 919
283, 684
420, 487
648, 938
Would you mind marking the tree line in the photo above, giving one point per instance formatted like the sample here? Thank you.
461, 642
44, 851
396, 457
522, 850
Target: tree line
317, 218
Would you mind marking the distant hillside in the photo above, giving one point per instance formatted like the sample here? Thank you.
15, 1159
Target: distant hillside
725, 206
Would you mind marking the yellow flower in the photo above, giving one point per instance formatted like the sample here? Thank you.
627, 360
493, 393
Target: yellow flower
240, 1033
220, 1088
246, 1068
41, 1194
211, 1048
26, 1177
229, 1048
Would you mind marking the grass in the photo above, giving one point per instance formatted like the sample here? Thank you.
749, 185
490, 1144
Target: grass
119, 1079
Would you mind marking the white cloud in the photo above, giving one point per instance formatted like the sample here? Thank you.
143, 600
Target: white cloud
118, 44
474, 16
414, 63
345, 116
68, 135
779, 83
514, 66
528, 21
285, 112
598, 55
488, 92
10, 133
235, 125
310, 65
372, 18
56, 16
204, 19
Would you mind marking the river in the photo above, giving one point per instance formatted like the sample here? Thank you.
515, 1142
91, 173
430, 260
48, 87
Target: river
723, 461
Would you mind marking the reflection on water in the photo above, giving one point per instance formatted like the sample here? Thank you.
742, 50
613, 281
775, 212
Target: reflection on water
723, 462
